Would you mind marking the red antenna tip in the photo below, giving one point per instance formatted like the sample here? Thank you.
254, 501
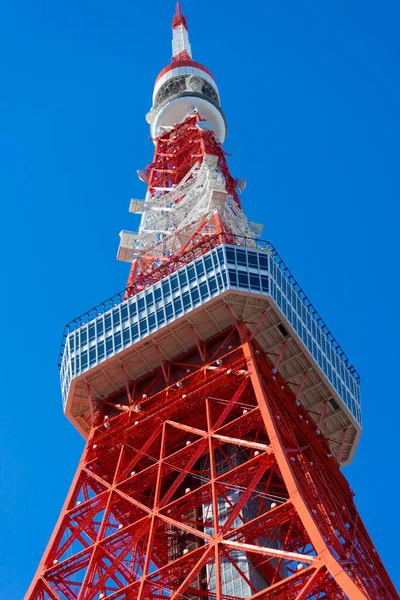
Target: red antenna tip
178, 19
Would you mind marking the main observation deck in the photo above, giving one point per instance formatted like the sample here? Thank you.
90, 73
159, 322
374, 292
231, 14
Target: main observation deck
250, 278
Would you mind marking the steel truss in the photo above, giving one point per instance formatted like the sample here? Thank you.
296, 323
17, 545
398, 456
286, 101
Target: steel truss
191, 196
209, 462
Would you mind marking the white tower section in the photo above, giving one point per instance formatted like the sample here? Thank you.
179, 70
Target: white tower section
180, 41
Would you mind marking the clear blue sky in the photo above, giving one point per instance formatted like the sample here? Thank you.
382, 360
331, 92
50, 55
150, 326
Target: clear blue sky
311, 92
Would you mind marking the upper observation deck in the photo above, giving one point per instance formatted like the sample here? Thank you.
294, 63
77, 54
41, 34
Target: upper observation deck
251, 279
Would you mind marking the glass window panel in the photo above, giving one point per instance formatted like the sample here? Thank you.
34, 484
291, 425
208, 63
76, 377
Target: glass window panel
328, 349
126, 337
109, 346
92, 356
149, 299
213, 284
241, 257
124, 312
208, 263
118, 340
160, 316
233, 277
116, 317
108, 322
83, 336
84, 360
152, 322
143, 326
230, 255
309, 342
168, 310
134, 331
132, 310
186, 300
165, 288
177, 306
264, 283
195, 296
92, 332
157, 294
252, 258
100, 350
255, 281
140, 304
263, 260
243, 279
200, 268
182, 278
174, 283
204, 290
191, 273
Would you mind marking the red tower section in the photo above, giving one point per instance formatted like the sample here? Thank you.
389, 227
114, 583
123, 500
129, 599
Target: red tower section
216, 405
177, 154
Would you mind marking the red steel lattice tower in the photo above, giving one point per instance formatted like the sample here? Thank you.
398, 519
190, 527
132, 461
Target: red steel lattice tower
216, 405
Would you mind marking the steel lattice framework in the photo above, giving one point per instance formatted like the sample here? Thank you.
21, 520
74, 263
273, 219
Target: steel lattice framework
191, 196
205, 477
144, 517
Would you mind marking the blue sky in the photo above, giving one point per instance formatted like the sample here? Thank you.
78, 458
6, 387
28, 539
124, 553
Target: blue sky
311, 93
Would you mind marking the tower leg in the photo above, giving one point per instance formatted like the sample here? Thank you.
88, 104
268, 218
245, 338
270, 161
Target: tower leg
219, 487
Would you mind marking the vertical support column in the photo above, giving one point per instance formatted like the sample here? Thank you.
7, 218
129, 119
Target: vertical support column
153, 516
336, 570
217, 536
43, 563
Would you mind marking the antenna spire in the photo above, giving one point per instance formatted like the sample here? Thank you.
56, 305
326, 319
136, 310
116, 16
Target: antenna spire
181, 49
178, 19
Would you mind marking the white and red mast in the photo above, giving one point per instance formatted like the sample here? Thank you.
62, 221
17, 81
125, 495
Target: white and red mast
181, 49
191, 193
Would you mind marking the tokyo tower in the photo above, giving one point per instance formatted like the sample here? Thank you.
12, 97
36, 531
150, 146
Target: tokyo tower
216, 405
